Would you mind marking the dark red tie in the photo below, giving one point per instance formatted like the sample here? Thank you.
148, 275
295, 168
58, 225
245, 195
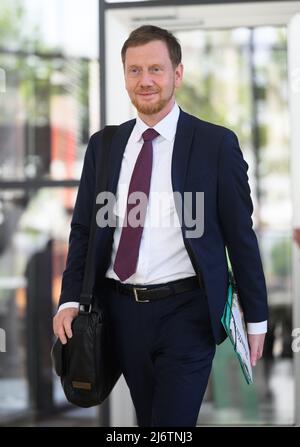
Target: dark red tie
128, 250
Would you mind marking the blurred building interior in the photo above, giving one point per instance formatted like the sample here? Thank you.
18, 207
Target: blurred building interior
61, 79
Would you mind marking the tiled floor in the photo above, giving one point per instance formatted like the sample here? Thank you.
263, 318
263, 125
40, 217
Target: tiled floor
271, 403
77, 417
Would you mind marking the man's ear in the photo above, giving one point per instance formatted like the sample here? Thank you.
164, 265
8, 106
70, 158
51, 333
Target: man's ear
178, 75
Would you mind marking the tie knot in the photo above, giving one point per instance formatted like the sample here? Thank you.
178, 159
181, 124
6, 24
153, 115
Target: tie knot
150, 134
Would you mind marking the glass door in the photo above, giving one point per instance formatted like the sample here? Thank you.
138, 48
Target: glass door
238, 78
236, 74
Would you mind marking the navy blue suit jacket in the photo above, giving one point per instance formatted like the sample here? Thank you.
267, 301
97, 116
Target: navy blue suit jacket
206, 158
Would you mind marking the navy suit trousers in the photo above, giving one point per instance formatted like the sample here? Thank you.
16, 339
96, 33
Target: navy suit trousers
166, 348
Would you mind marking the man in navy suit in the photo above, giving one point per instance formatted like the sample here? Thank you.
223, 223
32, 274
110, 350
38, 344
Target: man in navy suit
163, 282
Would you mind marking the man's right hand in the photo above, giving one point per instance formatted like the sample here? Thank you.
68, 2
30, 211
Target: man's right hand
62, 323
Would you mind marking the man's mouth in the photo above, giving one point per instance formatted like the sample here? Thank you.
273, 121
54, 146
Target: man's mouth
146, 93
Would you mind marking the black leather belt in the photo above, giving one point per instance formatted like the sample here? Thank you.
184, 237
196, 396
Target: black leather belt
145, 294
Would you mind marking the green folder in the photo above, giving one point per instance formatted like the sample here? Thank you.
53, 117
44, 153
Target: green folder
234, 325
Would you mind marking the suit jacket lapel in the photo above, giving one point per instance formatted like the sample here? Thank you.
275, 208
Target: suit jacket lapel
181, 151
180, 158
118, 146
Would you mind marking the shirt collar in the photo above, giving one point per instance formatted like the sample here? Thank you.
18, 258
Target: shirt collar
166, 127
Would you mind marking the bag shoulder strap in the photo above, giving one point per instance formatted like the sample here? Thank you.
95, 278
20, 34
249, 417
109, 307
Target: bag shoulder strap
100, 185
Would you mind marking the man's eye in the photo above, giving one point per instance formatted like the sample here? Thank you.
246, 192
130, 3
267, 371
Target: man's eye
133, 70
156, 69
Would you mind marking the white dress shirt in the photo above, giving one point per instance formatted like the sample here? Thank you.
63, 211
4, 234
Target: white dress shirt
162, 254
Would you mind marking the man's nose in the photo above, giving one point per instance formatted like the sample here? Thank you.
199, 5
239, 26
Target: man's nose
146, 79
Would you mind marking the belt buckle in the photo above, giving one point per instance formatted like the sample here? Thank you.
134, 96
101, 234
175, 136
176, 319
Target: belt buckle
135, 292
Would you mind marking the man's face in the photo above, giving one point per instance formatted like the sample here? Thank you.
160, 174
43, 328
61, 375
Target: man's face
150, 77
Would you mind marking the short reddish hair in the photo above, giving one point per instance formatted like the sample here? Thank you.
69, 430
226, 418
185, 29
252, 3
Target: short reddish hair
148, 33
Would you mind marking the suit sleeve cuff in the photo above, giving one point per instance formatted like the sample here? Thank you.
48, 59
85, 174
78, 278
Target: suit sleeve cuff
68, 304
257, 328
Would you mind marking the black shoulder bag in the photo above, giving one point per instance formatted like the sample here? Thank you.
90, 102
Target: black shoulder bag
86, 364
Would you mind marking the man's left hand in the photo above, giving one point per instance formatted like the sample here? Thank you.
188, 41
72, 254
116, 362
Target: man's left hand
256, 344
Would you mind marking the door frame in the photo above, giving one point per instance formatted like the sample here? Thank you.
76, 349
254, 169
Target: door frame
246, 13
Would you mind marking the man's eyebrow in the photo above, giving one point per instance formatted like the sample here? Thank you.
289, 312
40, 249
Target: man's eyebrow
150, 66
